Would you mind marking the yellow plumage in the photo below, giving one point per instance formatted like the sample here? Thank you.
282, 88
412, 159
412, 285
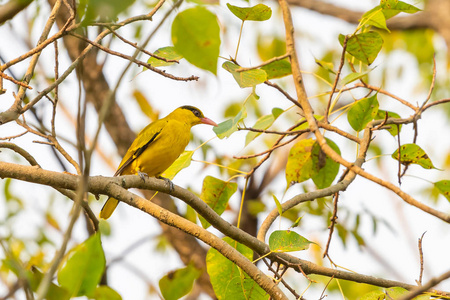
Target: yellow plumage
157, 146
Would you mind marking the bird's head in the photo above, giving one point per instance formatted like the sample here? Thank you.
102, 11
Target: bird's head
192, 115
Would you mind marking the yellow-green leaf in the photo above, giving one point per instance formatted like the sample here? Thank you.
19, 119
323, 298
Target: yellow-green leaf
216, 193
54, 292
226, 128
443, 187
182, 162
165, 52
278, 204
324, 168
397, 292
105, 292
277, 69
270, 46
245, 79
354, 76
104, 10
178, 283
362, 112
229, 281
413, 154
263, 123
287, 241
196, 36
375, 17
259, 12
394, 7
84, 268
364, 46
326, 65
145, 106
299, 166
394, 128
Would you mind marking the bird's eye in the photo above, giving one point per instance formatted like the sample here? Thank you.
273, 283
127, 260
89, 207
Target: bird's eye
197, 113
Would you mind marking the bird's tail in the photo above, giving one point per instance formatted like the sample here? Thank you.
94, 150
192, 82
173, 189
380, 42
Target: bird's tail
108, 208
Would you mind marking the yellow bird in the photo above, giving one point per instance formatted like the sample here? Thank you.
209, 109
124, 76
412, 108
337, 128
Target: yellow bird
157, 146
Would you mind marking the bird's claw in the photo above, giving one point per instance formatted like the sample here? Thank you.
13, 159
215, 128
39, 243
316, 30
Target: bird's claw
142, 175
169, 183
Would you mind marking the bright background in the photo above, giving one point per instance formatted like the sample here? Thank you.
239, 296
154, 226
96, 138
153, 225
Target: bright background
391, 252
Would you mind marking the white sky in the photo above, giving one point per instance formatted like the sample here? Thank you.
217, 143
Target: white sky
212, 94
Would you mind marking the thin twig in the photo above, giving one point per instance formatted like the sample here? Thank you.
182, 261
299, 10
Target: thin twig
270, 150
135, 45
384, 92
421, 258
333, 221
22, 84
242, 69
289, 97
336, 80
421, 289
433, 81
136, 61
279, 276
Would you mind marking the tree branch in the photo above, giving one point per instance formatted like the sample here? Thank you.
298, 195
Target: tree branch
115, 187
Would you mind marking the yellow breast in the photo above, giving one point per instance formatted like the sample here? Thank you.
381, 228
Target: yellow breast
163, 151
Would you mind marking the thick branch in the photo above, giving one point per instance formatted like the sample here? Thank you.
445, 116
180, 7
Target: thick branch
12, 8
113, 186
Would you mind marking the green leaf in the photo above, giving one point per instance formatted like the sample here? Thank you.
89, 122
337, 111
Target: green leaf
245, 79
364, 46
381, 114
325, 169
226, 128
296, 223
397, 292
354, 76
145, 106
270, 46
165, 52
329, 66
103, 10
394, 7
278, 204
263, 123
443, 187
373, 295
375, 17
182, 162
179, 283
228, 281
362, 112
259, 12
216, 193
104, 292
277, 69
196, 36
299, 166
54, 292
413, 154
287, 241
84, 268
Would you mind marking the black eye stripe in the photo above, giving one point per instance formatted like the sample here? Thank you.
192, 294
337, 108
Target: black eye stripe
194, 110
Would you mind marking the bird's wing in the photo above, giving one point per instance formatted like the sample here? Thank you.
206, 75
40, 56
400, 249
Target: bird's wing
147, 136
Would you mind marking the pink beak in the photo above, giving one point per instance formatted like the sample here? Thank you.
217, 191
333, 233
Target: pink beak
208, 121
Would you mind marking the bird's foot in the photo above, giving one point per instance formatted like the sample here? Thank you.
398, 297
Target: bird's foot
142, 175
169, 182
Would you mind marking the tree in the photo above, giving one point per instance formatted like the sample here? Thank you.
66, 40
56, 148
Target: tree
322, 127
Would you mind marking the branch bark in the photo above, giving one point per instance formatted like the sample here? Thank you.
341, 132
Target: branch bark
116, 187
12, 8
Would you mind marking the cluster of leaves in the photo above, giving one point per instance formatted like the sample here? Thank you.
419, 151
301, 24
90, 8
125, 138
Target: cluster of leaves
195, 36
79, 275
